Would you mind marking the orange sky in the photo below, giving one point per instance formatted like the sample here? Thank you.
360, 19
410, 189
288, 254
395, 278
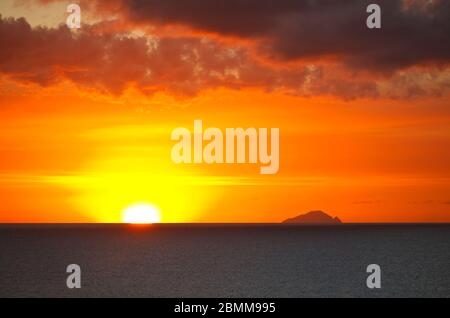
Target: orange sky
82, 139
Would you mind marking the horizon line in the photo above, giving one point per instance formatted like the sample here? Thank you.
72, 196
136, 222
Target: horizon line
221, 223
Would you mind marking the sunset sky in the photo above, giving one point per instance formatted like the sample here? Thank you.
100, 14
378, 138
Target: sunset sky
86, 115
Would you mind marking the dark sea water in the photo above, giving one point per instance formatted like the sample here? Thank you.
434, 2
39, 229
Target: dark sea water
225, 260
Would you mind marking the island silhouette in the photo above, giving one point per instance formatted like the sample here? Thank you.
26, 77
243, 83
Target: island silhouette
313, 217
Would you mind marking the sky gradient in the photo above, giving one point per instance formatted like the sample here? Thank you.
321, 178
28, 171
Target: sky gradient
86, 115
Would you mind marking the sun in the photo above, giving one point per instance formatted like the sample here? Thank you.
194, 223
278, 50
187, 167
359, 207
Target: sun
142, 213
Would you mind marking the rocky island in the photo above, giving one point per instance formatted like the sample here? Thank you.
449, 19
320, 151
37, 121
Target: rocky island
313, 217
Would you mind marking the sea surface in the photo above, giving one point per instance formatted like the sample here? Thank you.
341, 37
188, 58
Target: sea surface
188, 260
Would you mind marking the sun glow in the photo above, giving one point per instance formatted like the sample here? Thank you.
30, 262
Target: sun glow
141, 214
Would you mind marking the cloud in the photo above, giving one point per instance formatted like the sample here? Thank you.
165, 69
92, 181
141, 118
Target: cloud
413, 32
113, 61
111, 57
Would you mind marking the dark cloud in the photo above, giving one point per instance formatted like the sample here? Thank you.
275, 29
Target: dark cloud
184, 65
413, 31
113, 62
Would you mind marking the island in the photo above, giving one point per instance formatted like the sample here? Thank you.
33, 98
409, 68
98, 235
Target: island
313, 217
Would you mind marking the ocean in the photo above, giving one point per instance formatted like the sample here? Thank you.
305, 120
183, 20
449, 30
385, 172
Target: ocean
220, 260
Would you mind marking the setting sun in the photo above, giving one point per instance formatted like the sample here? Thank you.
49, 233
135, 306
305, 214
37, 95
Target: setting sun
141, 214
